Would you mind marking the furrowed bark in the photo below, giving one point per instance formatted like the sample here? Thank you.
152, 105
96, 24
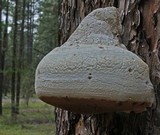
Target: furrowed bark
141, 33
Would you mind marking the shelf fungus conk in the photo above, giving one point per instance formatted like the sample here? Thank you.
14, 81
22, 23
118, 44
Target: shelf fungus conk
93, 72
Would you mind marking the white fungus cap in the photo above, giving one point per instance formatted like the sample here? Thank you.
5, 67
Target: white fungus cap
93, 73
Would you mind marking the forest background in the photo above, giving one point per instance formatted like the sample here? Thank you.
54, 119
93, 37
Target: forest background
28, 30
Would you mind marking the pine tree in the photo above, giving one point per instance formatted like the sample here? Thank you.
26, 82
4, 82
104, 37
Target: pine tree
140, 35
1, 68
14, 60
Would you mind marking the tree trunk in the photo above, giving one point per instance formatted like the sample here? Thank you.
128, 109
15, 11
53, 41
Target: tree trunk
141, 34
30, 21
20, 58
14, 59
1, 71
3, 51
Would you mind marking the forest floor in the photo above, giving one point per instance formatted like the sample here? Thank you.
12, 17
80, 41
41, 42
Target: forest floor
35, 119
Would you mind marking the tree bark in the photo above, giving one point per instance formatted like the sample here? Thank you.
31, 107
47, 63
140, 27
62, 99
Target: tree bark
1, 71
140, 34
3, 52
30, 22
20, 58
14, 59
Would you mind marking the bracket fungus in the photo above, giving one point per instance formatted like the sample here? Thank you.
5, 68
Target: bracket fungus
93, 72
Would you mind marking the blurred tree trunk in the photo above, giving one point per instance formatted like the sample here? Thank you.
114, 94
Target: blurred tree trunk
1, 71
141, 34
20, 57
5, 40
14, 60
4, 44
30, 27
28, 32
30, 22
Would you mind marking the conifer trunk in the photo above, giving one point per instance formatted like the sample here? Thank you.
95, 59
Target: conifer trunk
4, 45
141, 34
1, 72
14, 60
30, 21
20, 58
